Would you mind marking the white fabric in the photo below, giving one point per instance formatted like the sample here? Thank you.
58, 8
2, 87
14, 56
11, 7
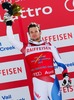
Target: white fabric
42, 88
16, 43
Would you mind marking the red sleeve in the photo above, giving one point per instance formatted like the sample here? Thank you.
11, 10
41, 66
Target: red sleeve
24, 47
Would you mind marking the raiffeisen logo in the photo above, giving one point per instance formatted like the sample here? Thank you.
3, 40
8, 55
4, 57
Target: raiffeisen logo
70, 9
6, 48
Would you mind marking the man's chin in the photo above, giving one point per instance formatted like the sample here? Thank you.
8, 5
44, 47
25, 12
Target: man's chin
37, 39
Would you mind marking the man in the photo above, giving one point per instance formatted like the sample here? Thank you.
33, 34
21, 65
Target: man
39, 56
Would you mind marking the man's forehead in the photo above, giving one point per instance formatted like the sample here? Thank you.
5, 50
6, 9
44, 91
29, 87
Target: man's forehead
33, 28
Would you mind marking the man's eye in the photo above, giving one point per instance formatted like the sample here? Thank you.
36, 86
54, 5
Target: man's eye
31, 32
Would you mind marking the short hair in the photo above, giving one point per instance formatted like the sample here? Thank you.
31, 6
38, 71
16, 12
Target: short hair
33, 24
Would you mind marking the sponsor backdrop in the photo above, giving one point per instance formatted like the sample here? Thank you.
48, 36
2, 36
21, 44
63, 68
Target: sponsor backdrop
56, 18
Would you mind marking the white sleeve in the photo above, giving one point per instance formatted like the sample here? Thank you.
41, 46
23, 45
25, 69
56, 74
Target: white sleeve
16, 43
56, 54
58, 60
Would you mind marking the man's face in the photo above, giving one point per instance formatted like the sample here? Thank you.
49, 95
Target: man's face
34, 34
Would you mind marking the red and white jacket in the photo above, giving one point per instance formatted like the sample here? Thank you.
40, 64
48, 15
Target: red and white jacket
39, 55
